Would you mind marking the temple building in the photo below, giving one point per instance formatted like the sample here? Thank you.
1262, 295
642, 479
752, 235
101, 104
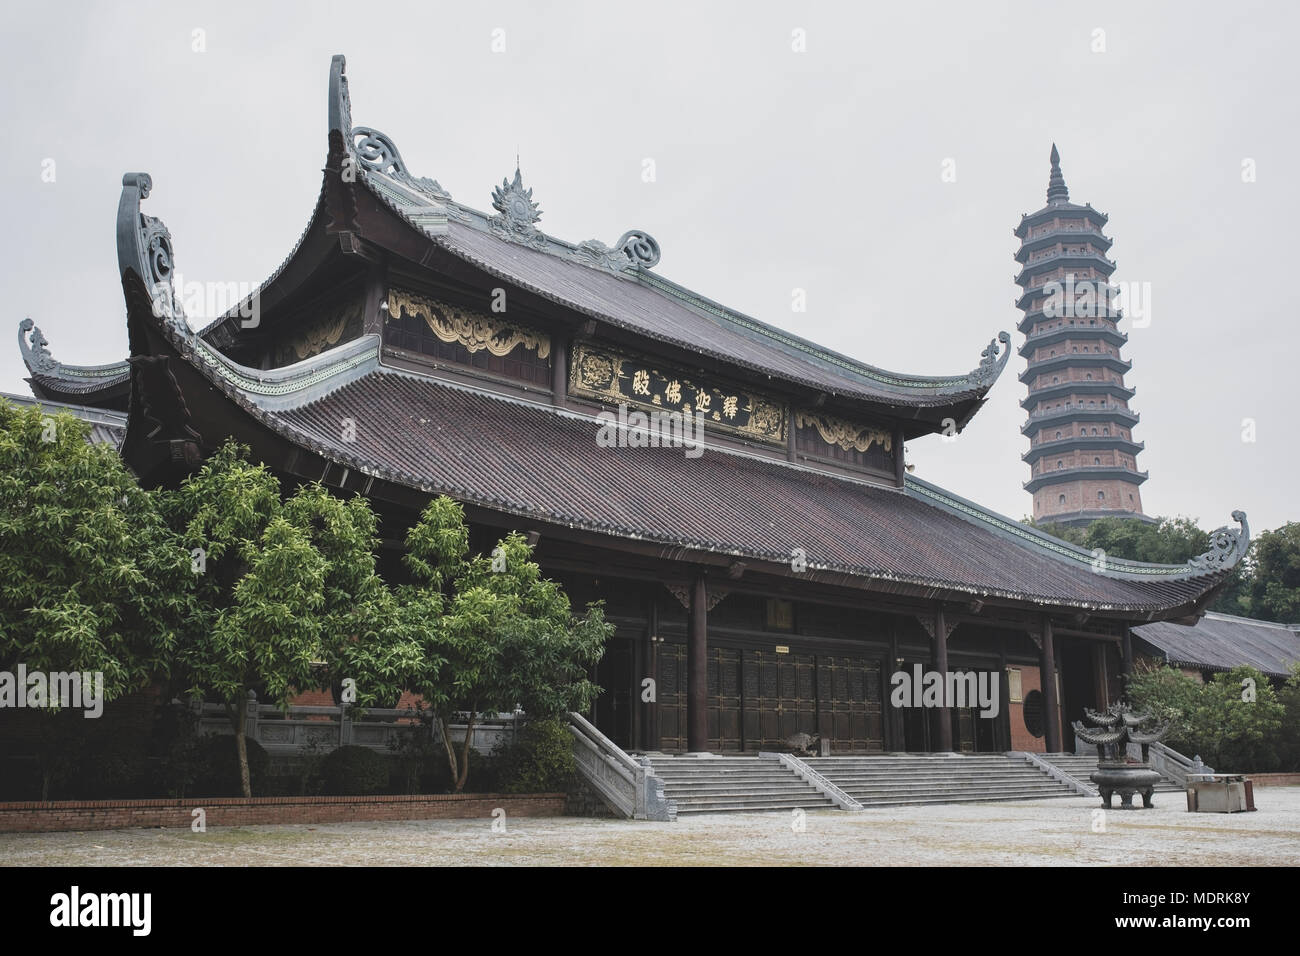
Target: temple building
768, 560
1082, 454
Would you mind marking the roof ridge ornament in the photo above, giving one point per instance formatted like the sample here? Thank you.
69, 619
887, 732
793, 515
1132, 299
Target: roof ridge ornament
634, 249
378, 153
340, 105
36, 355
144, 246
1227, 546
517, 214
993, 360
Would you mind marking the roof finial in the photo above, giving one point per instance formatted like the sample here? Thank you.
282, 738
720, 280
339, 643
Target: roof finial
1056, 191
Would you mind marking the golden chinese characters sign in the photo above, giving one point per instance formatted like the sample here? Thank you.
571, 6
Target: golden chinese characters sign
614, 377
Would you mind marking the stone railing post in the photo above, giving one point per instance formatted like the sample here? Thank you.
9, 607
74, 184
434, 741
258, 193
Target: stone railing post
251, 716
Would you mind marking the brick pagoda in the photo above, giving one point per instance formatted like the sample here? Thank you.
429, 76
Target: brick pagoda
1082, 454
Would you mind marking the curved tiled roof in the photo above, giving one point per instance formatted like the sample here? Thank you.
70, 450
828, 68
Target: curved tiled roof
598, 281
531, 460
1225, 641
534, 461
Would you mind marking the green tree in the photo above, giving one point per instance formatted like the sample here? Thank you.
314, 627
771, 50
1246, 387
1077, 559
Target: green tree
1234, 722
259, 584
1239, 720
288, 596
495, 634
361, 640
1168, 695
1274, 590
1289, 739
91, 578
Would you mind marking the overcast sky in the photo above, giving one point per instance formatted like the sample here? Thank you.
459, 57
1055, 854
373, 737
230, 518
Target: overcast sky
774, 170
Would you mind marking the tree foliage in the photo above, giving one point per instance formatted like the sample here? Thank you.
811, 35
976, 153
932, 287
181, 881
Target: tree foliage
235, 591
495, 635
1234, 722
91, 578
1273, 590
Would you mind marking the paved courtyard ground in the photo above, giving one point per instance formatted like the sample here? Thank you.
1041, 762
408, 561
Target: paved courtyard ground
1031, 833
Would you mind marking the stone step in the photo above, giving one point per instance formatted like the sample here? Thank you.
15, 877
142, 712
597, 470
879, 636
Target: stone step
734, 784
728, 808
687, 790
954, 792
916, 801
805, 798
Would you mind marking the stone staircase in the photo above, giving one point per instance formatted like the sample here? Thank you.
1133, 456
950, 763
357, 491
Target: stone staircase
898, 779
718, 784
725, 784
1080, 766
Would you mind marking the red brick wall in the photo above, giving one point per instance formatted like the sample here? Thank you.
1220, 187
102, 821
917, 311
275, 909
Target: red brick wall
1275, 779
35, 817
1082, 496
1021, 738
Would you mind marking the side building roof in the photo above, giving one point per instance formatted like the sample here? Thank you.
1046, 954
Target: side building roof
107, 427
1221, 642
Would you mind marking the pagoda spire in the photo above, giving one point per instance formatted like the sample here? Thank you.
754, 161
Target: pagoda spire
1056, 191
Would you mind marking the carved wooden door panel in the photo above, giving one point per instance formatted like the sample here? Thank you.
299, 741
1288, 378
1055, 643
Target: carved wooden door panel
849, 704
725, 730
671, 693
784, 699
798, 695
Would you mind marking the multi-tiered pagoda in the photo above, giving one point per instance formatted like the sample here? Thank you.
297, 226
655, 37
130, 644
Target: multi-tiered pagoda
1082, 453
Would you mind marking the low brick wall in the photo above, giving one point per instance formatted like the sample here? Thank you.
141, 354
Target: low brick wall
38, 817
1275, 779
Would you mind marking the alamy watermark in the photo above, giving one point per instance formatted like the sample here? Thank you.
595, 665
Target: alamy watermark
204, 302
953, 689
72, 690
1091, 299
657, 429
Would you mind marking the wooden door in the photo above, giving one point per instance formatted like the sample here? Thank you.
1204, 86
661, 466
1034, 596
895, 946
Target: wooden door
725, 722
780, 697
671, 694
849, 704
615, 705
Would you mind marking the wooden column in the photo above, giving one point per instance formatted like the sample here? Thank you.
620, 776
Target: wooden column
697, 668
1051, 702
1100, 676
1003, 735
889, 716
650, 666
559, 374
939, 662
1126, 655
900, 466
374, 317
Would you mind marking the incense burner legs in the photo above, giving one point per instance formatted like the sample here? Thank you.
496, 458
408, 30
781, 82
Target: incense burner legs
1125, 781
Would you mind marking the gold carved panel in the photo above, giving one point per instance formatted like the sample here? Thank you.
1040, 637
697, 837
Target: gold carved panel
474, 330
846, 434
340, 324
